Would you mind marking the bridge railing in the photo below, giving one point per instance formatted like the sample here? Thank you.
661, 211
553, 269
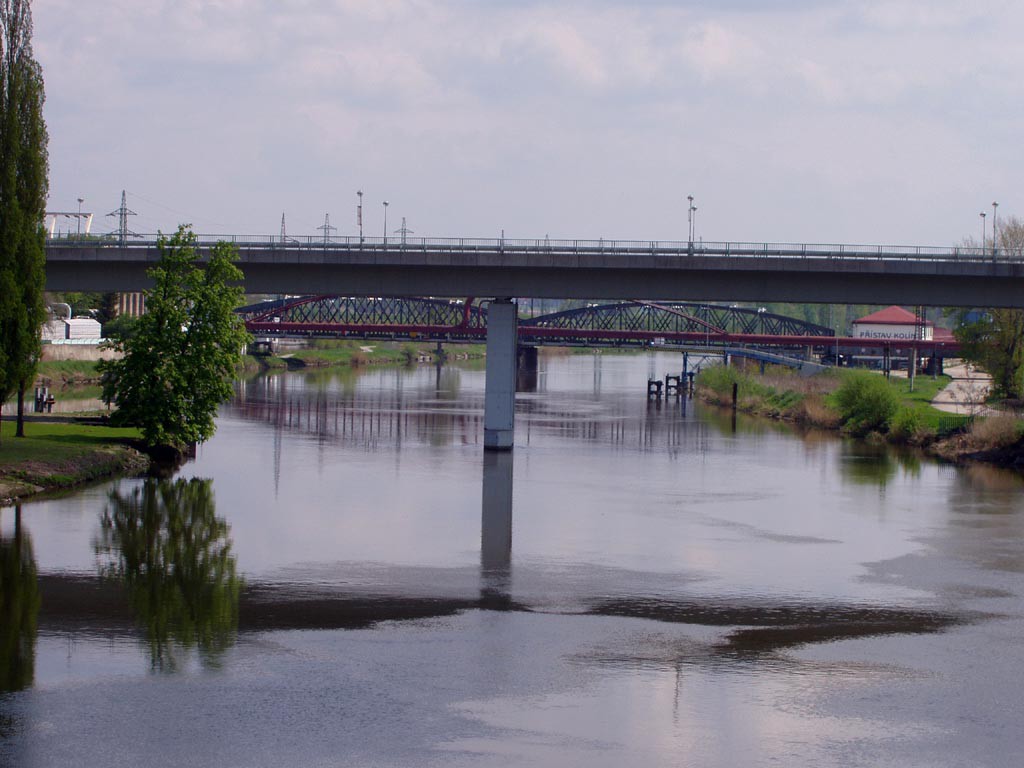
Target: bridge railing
499, 246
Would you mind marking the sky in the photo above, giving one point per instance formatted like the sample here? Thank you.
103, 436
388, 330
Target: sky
890, 122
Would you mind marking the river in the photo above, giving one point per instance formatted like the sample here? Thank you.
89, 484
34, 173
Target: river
342, 577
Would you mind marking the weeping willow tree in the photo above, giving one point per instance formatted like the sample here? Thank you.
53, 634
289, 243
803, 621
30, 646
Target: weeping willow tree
24, 171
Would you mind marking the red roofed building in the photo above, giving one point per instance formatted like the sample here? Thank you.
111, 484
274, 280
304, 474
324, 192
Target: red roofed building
892, 323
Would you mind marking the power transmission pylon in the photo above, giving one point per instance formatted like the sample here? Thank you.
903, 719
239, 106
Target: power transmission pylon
123, 213
403, 231
327, 228
284, 230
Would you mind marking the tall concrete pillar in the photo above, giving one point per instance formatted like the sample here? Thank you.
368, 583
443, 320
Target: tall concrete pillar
500, 393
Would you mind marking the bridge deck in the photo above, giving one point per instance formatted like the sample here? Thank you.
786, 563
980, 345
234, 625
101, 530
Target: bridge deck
457, 267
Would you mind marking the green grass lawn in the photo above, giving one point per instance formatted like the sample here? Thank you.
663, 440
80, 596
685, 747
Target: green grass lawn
68, 370
56, 443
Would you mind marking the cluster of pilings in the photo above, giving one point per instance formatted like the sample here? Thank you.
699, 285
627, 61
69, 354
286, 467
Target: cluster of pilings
672, 386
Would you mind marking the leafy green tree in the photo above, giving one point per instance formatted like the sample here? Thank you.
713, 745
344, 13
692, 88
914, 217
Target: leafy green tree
24, 170
102, 306
165, 544
179, 362
120, 329
994, 340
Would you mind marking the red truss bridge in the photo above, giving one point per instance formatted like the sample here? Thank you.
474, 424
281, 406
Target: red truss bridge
620, 324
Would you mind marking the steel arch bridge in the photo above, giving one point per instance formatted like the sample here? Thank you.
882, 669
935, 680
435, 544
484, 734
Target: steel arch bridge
628, 323
329, 315
676, 317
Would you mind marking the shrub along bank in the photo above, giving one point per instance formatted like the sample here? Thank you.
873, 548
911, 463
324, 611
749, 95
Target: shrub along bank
865, 404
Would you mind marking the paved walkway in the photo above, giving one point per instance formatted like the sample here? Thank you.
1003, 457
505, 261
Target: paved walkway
966, 393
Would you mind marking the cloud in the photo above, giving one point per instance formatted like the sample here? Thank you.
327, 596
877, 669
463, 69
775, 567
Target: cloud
491, 114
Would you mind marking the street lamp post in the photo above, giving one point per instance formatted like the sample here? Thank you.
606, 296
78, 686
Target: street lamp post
995, 240
80, 201
982, 214
385, 223
689, 219
359, 215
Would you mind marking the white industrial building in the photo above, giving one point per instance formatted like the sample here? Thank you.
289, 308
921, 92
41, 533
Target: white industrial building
83, 330
893, 324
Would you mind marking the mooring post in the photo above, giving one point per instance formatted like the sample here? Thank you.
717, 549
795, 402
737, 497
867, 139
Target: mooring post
500, 387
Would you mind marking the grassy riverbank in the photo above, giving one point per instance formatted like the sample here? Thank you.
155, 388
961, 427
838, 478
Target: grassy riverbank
62, 455
355, 354
67, 373
865, 404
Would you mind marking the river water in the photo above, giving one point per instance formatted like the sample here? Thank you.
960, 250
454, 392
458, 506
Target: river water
342, 577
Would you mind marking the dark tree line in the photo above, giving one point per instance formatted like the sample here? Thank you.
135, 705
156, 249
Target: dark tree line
24, 171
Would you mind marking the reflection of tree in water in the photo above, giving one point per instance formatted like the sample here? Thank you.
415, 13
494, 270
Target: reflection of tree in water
863, 463
19, 610
171, 552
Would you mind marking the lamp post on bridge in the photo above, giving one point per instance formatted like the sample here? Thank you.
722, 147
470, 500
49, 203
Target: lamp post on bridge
690, 211
982, 214
82, 200
385, 223
359, 215
995, 241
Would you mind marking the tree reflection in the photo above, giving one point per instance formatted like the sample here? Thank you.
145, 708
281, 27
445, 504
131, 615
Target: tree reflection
865, 463
164, 543
19, 609
862, 463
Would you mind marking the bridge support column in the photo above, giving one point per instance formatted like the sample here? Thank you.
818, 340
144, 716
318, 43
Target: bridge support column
500, 392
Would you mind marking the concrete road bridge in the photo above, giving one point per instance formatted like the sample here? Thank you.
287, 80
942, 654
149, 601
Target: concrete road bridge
580, 269
655, 271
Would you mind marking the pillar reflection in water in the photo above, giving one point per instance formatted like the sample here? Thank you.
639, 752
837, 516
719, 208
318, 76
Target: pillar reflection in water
496, 528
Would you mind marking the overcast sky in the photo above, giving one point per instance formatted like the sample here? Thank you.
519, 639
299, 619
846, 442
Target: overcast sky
798, 120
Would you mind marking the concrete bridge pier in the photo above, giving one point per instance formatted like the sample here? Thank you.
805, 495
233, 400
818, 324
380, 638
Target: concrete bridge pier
500, 391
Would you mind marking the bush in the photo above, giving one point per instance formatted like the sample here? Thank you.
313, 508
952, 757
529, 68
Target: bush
994, 432
815, 411
906, 425
719, 379
866, 402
